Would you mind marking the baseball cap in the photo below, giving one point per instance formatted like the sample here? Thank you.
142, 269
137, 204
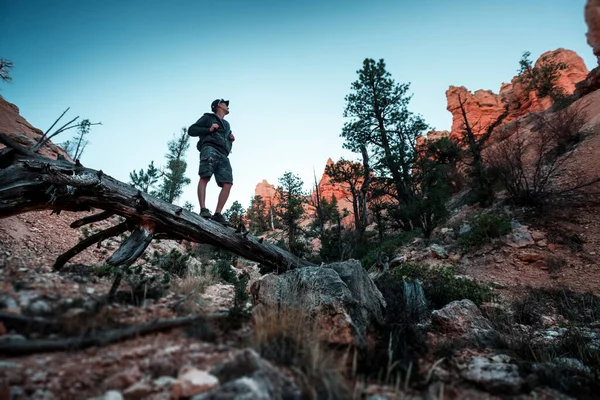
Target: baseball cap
215, 103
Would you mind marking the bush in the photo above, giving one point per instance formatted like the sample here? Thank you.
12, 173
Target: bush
290, 337
442, 286
530, 166
173, 262
223, 270
388, 246
484, 228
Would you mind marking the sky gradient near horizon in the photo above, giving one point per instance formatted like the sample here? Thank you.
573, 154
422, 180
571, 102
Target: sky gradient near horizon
145, 69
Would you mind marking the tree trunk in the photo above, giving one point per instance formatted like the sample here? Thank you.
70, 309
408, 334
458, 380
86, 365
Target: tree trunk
30, 182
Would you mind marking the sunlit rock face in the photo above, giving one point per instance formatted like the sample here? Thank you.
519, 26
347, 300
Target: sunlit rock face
21, 131
483, 107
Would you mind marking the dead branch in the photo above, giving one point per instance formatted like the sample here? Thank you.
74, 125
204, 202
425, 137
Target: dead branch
87, 242
24, 347
20, 323
91, 219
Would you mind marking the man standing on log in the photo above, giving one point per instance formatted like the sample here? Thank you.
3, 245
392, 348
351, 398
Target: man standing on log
214, 145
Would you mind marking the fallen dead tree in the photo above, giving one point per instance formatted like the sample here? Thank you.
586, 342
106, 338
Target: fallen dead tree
31, 182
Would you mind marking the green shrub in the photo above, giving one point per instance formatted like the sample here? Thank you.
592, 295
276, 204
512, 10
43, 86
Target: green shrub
388, 246
442, 286
173, 262
223, 270
484, 228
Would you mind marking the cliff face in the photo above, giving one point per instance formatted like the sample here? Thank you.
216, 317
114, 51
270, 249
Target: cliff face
483, 107
21, 131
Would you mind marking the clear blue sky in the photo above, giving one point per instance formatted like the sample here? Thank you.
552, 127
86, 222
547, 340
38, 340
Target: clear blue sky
145, 69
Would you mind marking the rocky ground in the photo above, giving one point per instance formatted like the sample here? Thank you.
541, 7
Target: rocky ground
471, 352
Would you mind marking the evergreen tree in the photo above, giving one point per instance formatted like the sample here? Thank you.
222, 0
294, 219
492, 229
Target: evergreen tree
384, 131
235, 214
290, 208
381, 123
543, 78
174, 179
5, 68
257, 215
145, 179
351, 175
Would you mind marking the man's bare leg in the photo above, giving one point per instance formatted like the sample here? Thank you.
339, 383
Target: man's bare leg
202, 191
223, 196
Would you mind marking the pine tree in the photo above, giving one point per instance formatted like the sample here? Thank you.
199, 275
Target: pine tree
290, 208
235, 214
257, 215
174, 179
5, 68
351, 175
145, 179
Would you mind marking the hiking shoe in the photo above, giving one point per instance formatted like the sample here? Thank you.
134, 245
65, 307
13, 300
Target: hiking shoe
218, 217
205, 213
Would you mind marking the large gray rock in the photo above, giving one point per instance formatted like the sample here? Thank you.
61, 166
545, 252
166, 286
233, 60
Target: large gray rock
340, 296
494, 375
248, 376
463, 319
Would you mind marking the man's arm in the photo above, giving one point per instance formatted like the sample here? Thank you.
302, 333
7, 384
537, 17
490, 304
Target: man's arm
201, 128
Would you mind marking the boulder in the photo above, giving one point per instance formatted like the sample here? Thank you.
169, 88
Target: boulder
463, 319
192, 381
248, 376
494, 375
341, 296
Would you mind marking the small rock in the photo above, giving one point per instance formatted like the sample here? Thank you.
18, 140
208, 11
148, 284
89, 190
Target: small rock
8, 302
12, 337
39, 377
552, 247
542, 243
541, 264
493, 376
191, 382
9, 364
537, 235
529, 257
464, 229
438, 251
519, 237
111, 395
501, 358
164, 381
123, 379
39, 307
139, 390
454, 257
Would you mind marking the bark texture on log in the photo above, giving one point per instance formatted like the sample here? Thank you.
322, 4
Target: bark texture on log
30, 182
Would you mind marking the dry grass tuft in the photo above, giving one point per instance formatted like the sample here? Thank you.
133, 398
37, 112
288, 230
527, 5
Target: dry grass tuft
289, 337
190, 288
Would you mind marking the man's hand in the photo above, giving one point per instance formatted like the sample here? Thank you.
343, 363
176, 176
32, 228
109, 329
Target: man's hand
231, 138
214, 127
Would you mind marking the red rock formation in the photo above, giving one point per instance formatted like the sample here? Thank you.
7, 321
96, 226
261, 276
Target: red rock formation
267, 191
483, 107
13, 124
328, 188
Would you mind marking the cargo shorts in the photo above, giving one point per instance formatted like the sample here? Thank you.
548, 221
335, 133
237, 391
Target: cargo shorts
213, 162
